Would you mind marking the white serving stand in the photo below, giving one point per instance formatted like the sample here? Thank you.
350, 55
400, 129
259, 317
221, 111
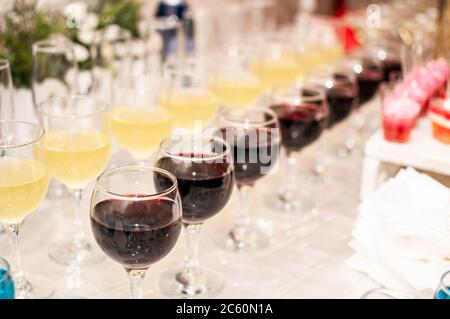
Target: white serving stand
383, 158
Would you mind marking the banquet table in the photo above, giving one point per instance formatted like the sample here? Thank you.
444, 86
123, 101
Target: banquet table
301, 262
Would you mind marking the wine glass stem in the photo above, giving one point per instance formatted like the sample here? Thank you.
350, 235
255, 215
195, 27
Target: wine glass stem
79, 233
191, 262
245, 201
136, 277
20, 281
291, 179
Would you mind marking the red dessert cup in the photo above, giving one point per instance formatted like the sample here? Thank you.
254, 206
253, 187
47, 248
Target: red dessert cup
439, 113
399, 115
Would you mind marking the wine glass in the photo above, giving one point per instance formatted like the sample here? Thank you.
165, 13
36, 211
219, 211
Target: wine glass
302, 111
76, 150
277, 62
387, 293
368, 71
187, 97
443, 290
6, 282
254, 136
232, 80
204, 171
54, 69
136, 218
6, 92
342, 93
6, 99
138, 123
54, 73
23, 185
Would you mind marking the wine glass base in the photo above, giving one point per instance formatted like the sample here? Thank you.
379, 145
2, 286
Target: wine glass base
277, 203
37, 287
252, 240
71, 252
173, 283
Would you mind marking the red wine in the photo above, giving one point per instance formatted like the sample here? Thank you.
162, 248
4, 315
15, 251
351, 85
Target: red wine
136, 233
205, 187
341, 100
300, 125
368, 83
391, 65
255, 151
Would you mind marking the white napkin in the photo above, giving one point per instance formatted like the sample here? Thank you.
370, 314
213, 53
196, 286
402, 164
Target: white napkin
402, 236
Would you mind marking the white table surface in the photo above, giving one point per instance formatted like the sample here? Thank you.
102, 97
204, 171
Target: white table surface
422, 151
311, 264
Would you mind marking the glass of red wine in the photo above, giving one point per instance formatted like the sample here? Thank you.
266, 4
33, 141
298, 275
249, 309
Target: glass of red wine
303, 112
342, 93
136, 218
253, 134
368, 71
204, 170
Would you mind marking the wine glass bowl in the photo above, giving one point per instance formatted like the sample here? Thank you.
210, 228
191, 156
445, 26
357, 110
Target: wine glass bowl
7, 109
135, 220
205, 177
368, 71
341, 90
138, 123
187, 96
302, 111
233, 81
54, 69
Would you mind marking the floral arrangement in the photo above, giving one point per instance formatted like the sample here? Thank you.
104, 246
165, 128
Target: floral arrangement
26, 22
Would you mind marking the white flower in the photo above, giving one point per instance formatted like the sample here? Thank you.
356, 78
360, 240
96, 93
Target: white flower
81, 53
90, 22
76, 10
86, 36
112, 32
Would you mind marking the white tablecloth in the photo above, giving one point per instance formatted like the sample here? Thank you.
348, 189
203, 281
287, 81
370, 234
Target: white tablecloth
310, 264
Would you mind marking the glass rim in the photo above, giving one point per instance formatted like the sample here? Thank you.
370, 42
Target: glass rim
330, 70
351, 61
227, 108
193, 137
99, 186
368, 54
445, 282
8, 269
396, 293
131, 81
52, 45
32, 141
4, 64
41, 105
287, 90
